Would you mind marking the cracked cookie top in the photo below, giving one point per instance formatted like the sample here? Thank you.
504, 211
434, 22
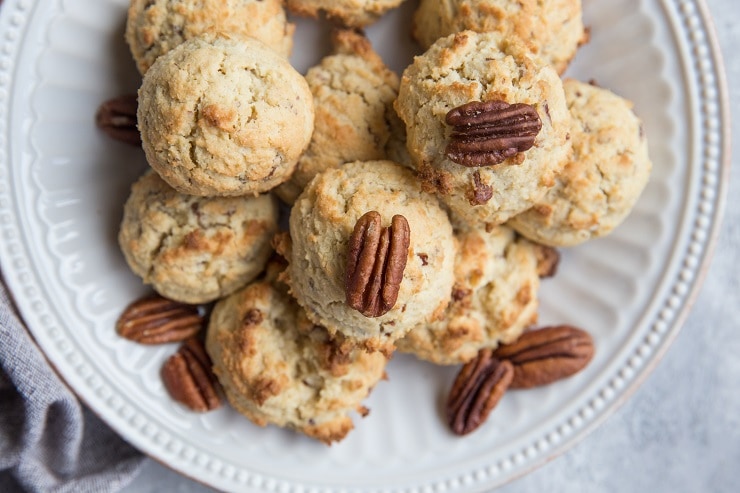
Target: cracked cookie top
195, 249
351, 13
224, 115
552, 29
605, 174
321, 224
353, 95
468, 67
154, 27
276, 367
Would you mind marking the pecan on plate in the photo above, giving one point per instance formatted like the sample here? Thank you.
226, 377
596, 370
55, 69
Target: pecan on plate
157, 320
117, 118
376, 260
546, 355
189, 379
486, 133
476, 391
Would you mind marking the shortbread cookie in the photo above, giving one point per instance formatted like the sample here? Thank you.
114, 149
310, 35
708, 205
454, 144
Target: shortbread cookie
353, 95
154, 27
469, 67
323, 220
278, 368
195, 249
224, 115
607, 170
351, 13
553, 29
494, 298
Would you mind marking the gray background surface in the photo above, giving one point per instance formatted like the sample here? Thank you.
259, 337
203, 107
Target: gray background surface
680, 432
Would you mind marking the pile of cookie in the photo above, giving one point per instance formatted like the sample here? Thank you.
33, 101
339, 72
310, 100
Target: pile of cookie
423, 211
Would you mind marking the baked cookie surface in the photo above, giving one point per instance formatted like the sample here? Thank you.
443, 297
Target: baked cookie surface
495, 297
195, 249
468, 67
321, 224
353, 95
351, 13
606, 172
277, 367
154, 27
552, 29
224, 115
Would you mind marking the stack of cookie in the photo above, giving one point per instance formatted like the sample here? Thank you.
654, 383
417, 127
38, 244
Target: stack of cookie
423, 210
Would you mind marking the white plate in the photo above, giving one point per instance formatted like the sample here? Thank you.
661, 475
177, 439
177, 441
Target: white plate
63, 184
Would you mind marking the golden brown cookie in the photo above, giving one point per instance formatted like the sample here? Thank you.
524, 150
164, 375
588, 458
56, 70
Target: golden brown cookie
493, 300
154, 27
351, 13
322, 222
606, 172
353, 94
195, 249
470, 68
552, 29
224, 115
278, 368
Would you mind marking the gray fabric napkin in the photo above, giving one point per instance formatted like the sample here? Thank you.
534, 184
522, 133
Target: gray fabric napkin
48, 440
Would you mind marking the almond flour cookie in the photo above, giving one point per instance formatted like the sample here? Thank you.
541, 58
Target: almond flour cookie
353, 95
466, 68
322, 222
277, 367
607, 170
194, 249
351, 13
224, 115
553, 29
154, 27
494, 298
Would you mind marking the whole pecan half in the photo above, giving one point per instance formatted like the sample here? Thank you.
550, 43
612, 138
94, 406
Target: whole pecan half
376, 260
546, 355
477, 389
489, 132
157, 320
189, 379
117, 118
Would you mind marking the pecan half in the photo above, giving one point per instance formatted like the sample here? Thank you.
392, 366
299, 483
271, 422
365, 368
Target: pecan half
117, 118
489, 132
157, 320
477, 389
376, 260
189, 379
546, 355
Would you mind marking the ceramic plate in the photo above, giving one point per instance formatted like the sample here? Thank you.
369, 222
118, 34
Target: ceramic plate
63, 185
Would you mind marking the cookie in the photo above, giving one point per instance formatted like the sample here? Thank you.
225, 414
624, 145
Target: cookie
495, 297
351, 13
552, 29
154, 27
353, 94
278, 368
195, 249
471, 67
606, 172
222, 115
321, 224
